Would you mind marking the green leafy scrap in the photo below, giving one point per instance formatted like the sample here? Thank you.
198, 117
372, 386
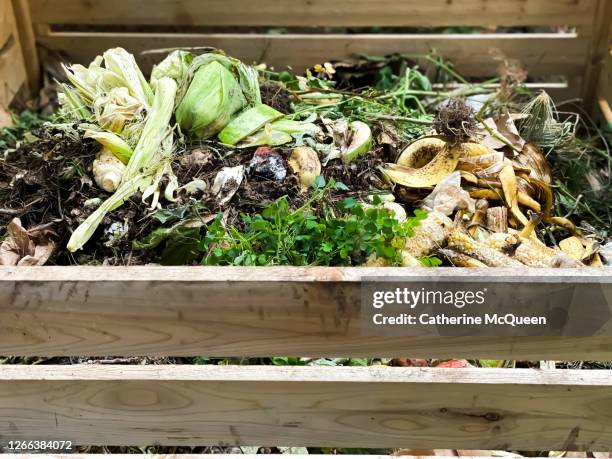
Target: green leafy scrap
347, 234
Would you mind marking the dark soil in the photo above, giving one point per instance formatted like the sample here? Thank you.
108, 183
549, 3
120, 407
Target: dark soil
276, 96
49, 181
256, 192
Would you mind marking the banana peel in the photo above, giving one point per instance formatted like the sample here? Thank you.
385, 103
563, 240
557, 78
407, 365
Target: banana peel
510, 188
424, 163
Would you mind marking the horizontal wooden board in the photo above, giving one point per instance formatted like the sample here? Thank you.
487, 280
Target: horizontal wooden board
253, 456
365, 407
212, 311
416, 13
474, 55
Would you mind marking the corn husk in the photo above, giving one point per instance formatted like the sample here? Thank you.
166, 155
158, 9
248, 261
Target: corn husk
111, 93
175, 66
72, 106
150, 156
112, 142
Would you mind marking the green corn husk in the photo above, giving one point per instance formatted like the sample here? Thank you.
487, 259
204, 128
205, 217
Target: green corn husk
150, 156
113, 142
247, 123
215, 88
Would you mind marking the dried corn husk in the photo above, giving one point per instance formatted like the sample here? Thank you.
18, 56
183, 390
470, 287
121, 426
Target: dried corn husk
460, 260
428, 236
497, 219
463, 243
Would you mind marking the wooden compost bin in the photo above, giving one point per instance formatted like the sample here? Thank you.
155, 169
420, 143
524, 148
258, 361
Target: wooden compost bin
58, 311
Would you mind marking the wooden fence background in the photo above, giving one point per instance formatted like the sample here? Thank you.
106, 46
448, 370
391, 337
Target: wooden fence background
78, 30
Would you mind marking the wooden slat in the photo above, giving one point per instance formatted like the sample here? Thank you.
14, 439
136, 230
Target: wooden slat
366, 407
473, 54
599, 52
12, 68
315, 12
28, 44
212, 311
7, 21
246, 456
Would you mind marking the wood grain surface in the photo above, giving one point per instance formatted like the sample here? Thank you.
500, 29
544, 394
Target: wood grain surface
212, 311
309, 406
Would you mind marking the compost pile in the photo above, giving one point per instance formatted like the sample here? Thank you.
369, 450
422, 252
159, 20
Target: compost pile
217, 162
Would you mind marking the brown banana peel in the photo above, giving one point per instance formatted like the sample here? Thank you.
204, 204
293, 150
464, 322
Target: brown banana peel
510, 188
424, 163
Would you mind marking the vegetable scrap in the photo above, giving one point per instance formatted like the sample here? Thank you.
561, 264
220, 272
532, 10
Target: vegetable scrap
217, 162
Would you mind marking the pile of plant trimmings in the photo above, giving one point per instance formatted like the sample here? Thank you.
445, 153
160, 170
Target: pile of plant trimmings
216, 162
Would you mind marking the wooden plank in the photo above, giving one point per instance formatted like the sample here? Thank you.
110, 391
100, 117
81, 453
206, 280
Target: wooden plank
7, 21
472, 54
599, 52
215, 311
405, 13
309, 406
12, 68
242, 456
28, 44
604, 92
